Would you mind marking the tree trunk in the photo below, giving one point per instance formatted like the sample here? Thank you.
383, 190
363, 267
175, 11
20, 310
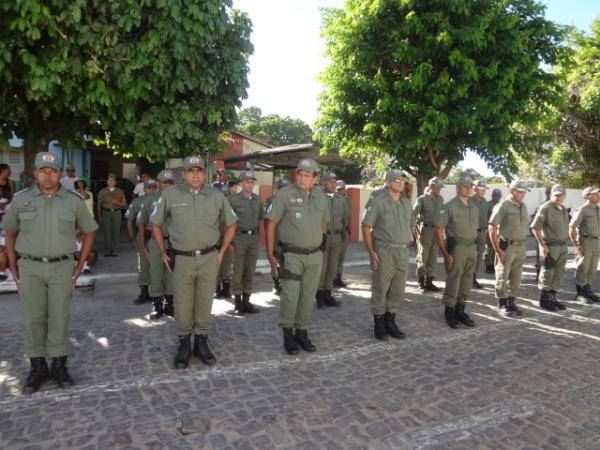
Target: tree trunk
32, 144
422, 181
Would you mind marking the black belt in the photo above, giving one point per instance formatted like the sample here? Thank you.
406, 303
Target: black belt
109, 209
427, 224
204, 251
249, 232
300, 251
47, 260
555, 243
590, 237
512, 242
335, 232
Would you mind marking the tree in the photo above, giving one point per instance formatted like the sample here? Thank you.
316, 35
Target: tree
157, 77
273, 128
425, 81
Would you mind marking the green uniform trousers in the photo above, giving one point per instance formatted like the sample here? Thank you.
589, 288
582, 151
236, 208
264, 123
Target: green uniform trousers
427, 252
389, 279
331, 257
481, 243
459, 280
550, 279
244, 263
587, 265
161, 280
143, 270
342, 257
111, 224
225, 270
45, 293
194, 280
298, 288
508, 273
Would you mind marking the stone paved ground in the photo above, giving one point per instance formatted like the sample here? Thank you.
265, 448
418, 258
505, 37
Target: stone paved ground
506, 384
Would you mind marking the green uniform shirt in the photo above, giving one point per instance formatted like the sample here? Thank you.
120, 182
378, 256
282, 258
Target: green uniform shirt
249, 211
337, 212
490, 208
106, 198
481, 203
391, 221
587, 220
147, 205
376, 193
134, 209
299, 216
459, 220
511, 219
195, 218
427, 207
47, 224
553, 220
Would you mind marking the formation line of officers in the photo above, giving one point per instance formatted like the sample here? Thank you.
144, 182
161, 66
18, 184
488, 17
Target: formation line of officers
184, 233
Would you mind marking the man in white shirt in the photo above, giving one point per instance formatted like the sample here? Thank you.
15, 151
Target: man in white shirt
138, 191
68, 181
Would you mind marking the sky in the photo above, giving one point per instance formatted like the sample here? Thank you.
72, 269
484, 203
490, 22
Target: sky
288, 54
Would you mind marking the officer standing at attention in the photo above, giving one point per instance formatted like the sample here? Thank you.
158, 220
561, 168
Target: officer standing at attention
41, 225
538, 259
195, 214
340, 187
550, 228
490, 254
132, 229
298, 214
109, 203
337, 225
161, 279
387, 232
275, 275
478, 198
584, 231
250, 212
460, 219
426, 209
508, 236
223, 289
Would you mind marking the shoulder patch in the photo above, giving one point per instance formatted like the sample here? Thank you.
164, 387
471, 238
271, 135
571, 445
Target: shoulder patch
21, 191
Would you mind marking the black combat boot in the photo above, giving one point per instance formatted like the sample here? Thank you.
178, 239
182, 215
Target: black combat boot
330, 300
558, 304
169, 307
37, 375
202, 350
476, 284
462, 316
490, 269
580, 294
143, 297
512, 307
450, 316
421, 281
289, 343
338, 282
390, 326
239, 307
59, 372
429, 286
182, 357
589, 294
159, 309
303, 341
248, 307
546, 301
320, 298
379, 327
503, 307
218, 290
225, 292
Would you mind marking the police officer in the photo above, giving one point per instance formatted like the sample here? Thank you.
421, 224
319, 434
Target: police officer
281, 183
221, 184
584, 231
223, 289
298, 214
508, 236
109, 203
426, 209
550, 228
337, 226
460, 219
489, 254
161, 279
195, 214
340, 187
538, 263
132, 229
386, 225
250, 212
41, 224
478, 198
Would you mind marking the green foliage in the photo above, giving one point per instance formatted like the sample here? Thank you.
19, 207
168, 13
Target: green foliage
273, 128
423, 81
154, 77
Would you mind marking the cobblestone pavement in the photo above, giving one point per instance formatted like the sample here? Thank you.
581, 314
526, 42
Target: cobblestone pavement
506, 384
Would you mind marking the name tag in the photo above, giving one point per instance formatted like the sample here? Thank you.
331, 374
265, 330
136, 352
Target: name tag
179, 205
30, 209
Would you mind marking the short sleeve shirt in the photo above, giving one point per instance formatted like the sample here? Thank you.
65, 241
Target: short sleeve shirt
483, 211
337, 212
553, 221
511, 219
106, 198
587, 220
134, 209
249, 211
427, 207
391, 221
459, 220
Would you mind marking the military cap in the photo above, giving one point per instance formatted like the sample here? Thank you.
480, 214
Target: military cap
46, 159
309, 165
165, 175
465, 181
111, 175
283, 182
394, 174
558, 189
340, 184
496, 192
193, 161
519, 185
327, 176
247, 175
548, 190
480, 185
437, 182
590, 190
149, 184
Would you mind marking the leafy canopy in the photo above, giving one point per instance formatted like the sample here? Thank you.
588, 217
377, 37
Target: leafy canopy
273, 128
